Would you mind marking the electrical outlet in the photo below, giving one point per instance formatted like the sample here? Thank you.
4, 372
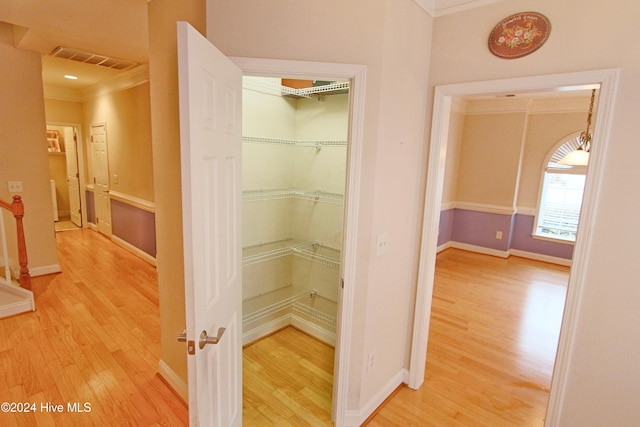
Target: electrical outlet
382, 243
498, 235
371, 362
15, 186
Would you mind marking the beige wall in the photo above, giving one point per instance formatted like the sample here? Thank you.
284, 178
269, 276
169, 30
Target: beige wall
127, 116
163, 72
544, 130
603, 370
392, 40
23, 148
452, 167
489, 159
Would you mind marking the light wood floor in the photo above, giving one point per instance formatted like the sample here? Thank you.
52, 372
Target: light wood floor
94, 338
492, 343
287, 381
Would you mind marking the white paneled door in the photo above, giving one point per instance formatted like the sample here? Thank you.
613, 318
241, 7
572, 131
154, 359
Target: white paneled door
211, 162
101, 178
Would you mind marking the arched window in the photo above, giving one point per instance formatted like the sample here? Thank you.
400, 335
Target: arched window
561, 192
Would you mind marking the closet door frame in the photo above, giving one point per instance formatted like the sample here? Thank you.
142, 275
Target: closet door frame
356, 74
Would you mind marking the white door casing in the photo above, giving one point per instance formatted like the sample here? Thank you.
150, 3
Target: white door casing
101, 178
73, 175
211, 161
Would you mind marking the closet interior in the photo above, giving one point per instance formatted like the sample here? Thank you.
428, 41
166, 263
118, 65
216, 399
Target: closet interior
294, 174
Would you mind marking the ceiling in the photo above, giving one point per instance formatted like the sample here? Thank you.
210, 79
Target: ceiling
117, 29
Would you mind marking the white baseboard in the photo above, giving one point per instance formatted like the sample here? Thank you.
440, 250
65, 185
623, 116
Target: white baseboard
480, 249
443, 247
356, 418
266, 329
44, 270
173, 380
540, 257
134, 250
313, 330
506, 254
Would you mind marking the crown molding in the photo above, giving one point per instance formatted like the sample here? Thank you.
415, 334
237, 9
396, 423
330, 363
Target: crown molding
126, 80
437, 8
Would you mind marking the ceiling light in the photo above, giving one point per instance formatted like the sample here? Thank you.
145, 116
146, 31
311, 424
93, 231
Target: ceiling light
580, 156
70, 77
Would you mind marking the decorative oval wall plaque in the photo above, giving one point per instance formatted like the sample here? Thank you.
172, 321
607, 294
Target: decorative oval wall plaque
519, 35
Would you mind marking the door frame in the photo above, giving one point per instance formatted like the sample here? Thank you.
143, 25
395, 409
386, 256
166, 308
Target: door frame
443, 97
356, 74
81, 160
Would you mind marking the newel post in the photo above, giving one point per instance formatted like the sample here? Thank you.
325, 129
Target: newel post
18, 212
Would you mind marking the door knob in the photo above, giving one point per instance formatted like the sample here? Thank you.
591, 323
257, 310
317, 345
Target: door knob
205, 339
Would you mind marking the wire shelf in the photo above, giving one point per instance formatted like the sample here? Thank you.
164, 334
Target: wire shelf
290, 193
295, 142
307, 92
311, 251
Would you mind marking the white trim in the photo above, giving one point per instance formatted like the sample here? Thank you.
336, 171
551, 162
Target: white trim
608, 81
479, 249
265, 329
356, 418
174, 381
540, 257
134, 250
313, 330
447, 206
80, 147
127, 80
480, 207
504, 254
43, 270
26, 304
136, 202
357, 74
528, 211
462, 6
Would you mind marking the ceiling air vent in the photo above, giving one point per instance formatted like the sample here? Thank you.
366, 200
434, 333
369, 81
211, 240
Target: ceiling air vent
92, 58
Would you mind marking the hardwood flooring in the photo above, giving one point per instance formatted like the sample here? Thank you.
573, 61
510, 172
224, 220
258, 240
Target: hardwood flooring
94, 338
493, 337
287, 381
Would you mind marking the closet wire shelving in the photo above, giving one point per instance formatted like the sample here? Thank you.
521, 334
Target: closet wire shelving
307, 92
311, 251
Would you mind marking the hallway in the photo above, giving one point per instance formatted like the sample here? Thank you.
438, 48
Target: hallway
94, 339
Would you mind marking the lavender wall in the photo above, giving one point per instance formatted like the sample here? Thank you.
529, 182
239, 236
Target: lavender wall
522, 240
135, 226
479, 229
91, 210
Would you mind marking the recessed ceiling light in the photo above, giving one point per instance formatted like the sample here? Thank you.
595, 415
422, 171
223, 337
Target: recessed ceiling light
70, 77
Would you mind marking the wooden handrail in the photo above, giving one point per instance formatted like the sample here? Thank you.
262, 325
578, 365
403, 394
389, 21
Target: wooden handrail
17, 208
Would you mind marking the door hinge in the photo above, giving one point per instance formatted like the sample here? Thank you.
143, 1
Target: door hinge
342, 282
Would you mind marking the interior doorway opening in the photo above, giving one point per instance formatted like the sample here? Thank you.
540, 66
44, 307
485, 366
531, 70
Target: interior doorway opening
295, 150
444, 95
66, 175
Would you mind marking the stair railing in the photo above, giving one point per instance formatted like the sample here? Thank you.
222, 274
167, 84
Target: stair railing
17, 209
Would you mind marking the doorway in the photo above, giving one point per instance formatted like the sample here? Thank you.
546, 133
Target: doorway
356, 76
65, 169
444, 95
294, 176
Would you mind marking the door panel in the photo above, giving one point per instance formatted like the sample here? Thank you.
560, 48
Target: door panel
211, 159
101, 178
73, 177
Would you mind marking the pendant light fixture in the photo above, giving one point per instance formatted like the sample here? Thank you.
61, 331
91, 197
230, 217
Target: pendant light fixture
580, 156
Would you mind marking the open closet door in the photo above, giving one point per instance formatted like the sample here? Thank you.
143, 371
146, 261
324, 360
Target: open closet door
211, 162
